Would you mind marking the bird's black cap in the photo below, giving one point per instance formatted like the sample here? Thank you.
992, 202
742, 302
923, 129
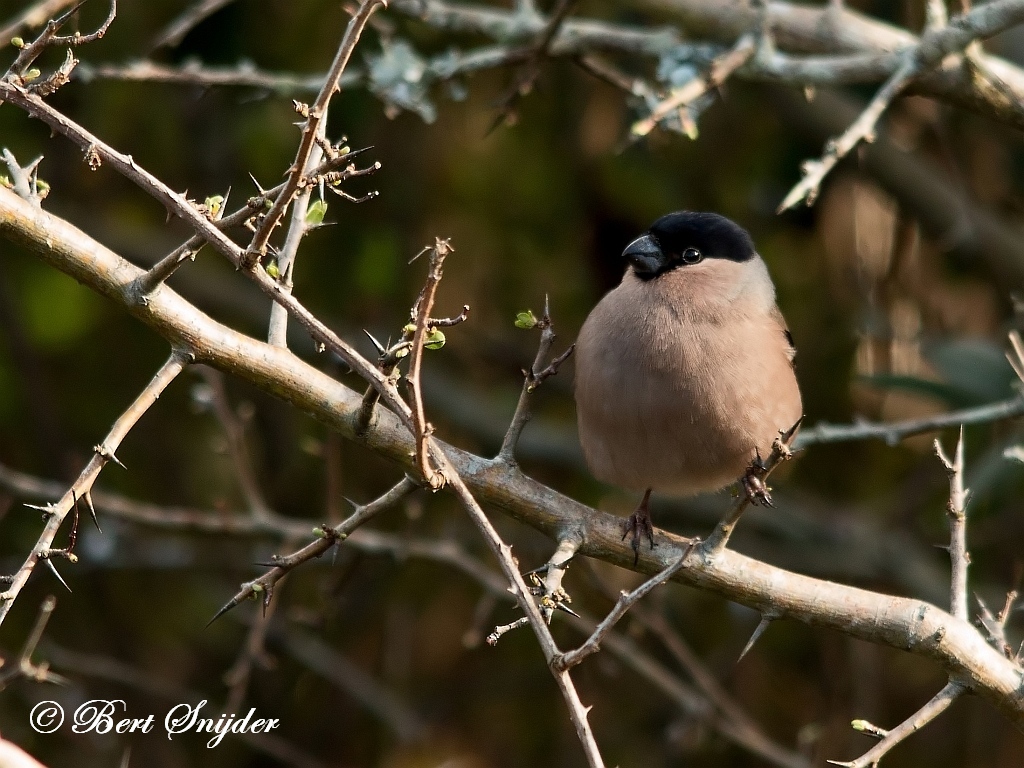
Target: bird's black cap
687, 237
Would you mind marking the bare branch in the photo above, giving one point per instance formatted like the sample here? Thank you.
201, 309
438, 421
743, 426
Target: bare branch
893, 621
187, 21
781, 451
939, 703
314, 115
434, 476
626, 601
533, 378
720, 70
935, 45
104, 452
957, 511
893, 432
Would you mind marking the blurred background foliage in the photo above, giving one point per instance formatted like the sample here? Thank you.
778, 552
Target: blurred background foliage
893, 316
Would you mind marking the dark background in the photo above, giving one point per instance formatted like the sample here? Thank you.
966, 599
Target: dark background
898, 310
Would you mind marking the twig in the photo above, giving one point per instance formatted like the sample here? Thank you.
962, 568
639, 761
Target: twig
938, 704
720, 70
49, 37
102, 453
175, 31
934, 46
32, 17
159, 273
957, 512
24, 667
298, 228
578, 713
314, 115
891, 621
253, 652
262, 588
626, 600
781, 451
234, 431
434, 476
533, 378
893, 432
526, 76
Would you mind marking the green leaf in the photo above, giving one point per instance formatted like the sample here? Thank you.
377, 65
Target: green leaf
273, 270
315, 214
526, 320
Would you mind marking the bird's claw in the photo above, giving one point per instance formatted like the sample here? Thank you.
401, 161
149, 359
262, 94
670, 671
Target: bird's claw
639, 524
754, 486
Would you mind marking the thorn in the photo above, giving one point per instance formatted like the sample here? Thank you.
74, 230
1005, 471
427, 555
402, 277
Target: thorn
92, 510
570, 611
260, 189
380, 347
766, 619
237, 599
108, 454
56, 573
48, 509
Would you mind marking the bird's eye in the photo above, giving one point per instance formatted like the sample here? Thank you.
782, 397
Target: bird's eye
692, 256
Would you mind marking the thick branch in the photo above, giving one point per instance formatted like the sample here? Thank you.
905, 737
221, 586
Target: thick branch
898, 622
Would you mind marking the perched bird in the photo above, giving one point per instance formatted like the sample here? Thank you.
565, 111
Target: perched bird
684, 372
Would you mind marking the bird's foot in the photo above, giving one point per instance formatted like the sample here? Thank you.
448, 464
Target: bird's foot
754, 485
639, 525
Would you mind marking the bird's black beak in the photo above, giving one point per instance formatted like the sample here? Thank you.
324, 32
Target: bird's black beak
645, 255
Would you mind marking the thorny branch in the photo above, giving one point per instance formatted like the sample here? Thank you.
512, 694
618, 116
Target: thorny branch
262, 588
434, 476
906, 623
744, 733
626, 600
935, 45
54, 514
313, 115
893, 432
957, 512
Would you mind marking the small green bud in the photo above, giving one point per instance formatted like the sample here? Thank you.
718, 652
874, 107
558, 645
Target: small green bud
31, 75
860, 725
272, 270
18, 42
315, 214
410, 329
42, 188
435, 339
5, 181
257, 589
526, 320
319, 533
